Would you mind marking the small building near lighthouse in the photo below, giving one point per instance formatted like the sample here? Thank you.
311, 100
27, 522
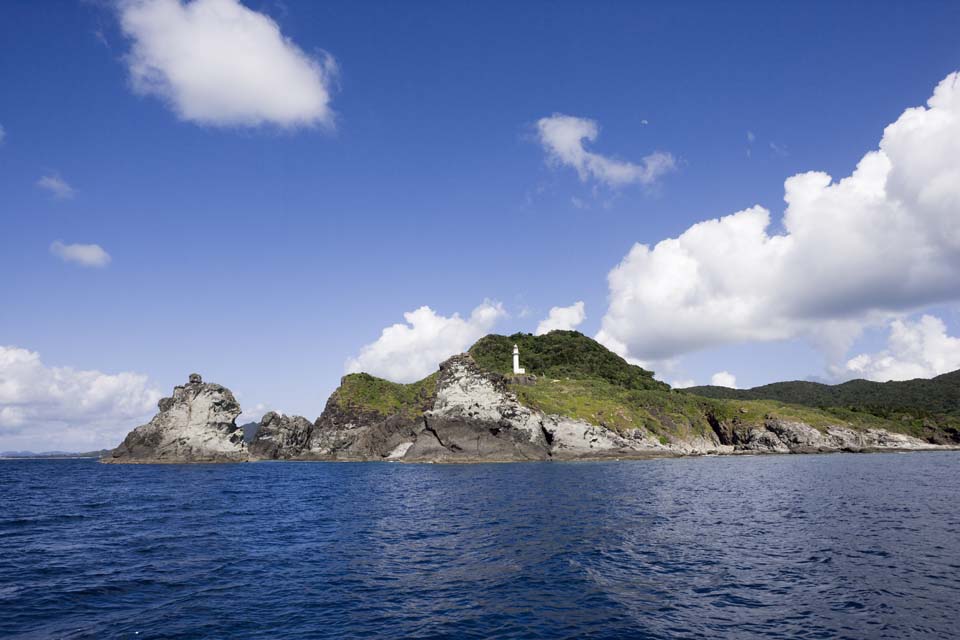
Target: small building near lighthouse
516, 361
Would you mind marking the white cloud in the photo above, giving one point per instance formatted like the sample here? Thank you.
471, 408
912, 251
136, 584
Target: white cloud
562, 137
724, 379
564, 318
882, 241
411, 351
3, 133
920, 349
683, 384
86, 255
254, 413
56, 186
216, 62
46, 408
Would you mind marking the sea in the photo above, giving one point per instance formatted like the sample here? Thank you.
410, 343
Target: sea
791, 546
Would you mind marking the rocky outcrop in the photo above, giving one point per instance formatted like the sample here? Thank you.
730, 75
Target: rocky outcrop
785, 436
195, 424
279, 437
471, 418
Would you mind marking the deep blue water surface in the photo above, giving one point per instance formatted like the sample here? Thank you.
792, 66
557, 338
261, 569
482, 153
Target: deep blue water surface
859, 546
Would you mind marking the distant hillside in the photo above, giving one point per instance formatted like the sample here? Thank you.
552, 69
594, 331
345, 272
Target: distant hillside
53, 454
562, 354
938, 396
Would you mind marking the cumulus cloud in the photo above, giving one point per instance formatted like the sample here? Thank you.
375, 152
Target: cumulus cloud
86, 255
46, 408
564, 318
406, 352
724, 379
56, 186
683, 384
883, 240
216, 62
918, 349
563, 138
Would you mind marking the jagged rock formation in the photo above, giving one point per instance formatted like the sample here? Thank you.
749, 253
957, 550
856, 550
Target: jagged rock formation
195, 424
784, 436
470, 417
279, 437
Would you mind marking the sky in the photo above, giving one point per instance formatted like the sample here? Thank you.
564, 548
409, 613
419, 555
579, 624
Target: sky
274, 194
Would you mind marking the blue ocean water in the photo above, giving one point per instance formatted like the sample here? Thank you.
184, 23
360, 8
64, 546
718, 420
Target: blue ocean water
831, 546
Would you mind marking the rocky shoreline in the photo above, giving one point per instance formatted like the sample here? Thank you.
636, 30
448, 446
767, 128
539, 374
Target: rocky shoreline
470, 416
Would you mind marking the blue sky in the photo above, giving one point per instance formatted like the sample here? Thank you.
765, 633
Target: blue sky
268, 255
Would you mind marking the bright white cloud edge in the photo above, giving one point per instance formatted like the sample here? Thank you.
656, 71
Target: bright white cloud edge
45, 408
724, 379
881, 242
219, 63
563, 138
562, 318
409, 351
915, 349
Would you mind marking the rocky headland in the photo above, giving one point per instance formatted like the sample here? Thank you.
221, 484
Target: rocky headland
579, 401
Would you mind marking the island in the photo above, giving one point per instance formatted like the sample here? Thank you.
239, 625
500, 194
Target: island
573, 399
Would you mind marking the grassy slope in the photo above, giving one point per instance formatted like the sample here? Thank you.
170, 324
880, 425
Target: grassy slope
580, 378
365, 392
674, 414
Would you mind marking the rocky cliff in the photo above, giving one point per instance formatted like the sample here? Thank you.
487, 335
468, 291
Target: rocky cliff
195, 424
468, 416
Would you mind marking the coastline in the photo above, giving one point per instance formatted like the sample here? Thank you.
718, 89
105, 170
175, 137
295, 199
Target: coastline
619, 457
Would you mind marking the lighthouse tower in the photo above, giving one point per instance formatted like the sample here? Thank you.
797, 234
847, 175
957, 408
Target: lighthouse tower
516, 361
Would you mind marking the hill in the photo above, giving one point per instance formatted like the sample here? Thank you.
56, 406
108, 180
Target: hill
562, 354
936, 396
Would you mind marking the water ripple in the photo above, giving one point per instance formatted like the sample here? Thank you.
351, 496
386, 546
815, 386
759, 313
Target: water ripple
839, 546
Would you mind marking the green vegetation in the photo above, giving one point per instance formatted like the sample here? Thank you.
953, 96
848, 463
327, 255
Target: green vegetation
368, 393
618, 408
673, 413
940, 395
562, 354
916, 407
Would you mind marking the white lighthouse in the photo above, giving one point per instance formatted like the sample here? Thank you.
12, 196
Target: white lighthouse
516, 361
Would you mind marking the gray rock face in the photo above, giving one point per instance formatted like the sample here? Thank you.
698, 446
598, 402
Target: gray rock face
784, 436
280, 437
195, 424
